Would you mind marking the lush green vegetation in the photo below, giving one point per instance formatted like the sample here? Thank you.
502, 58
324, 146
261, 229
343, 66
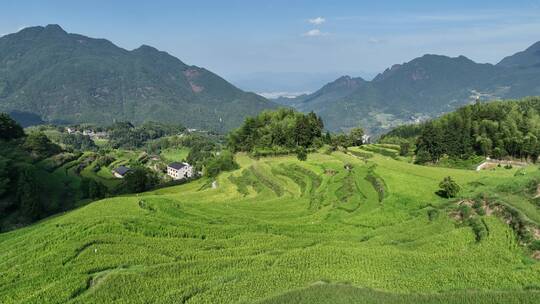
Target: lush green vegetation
276, 226
125, 135
496, 129
104, 84
28, 189
279, 132
47, 170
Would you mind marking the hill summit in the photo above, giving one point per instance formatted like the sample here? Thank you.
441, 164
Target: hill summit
422, 88
63, 77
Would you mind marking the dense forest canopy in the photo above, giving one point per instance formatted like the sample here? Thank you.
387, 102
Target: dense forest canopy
496, 129
27, 192
281, 130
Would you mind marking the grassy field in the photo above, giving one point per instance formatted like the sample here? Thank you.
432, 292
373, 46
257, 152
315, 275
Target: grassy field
175, 154
281, 231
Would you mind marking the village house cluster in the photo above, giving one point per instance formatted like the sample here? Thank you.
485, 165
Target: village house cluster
175, 170
89, 132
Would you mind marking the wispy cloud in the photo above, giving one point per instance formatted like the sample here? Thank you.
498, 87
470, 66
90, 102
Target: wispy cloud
376, 41
314, 33
317, 20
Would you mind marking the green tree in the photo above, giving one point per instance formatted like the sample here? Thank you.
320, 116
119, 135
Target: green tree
140, 179
327, 138
356, 136
28, 193
342, 140
449, 188
422, 157
40, 145
4, 175
92, 189
222, 162
301, 154
9, 128
404, 148
283, 130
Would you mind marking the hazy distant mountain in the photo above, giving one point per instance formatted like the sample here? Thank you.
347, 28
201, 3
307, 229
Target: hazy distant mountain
73, 78
528, 58
424, 87
275, 84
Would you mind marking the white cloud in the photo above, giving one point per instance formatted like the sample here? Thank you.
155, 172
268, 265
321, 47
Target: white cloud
314, 33
376, 41
317, 21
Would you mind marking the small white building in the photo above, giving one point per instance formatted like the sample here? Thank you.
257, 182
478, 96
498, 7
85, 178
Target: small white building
179, 170
366, 139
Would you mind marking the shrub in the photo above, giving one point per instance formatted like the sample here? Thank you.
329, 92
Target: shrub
223, 162
422, 157
449, 188
404, 148
432, 214
301, 154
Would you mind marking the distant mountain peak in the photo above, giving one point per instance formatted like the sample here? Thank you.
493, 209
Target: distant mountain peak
345, 81
72, 78
420, 68
524, 59
54, 28
146, 48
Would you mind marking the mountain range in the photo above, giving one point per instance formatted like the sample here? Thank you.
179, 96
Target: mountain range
423, 88
51, 75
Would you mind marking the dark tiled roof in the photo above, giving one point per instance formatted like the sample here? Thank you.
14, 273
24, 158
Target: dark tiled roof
177, 166
122, 170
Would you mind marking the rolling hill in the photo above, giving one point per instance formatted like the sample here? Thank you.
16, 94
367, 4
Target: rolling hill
278, 230
423, 88
70, 78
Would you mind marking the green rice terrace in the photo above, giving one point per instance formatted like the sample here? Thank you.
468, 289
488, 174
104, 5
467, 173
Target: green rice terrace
364, 226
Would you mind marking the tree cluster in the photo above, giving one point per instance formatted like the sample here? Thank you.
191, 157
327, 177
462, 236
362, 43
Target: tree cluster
127, 136
281, 130
496, 129
78, 142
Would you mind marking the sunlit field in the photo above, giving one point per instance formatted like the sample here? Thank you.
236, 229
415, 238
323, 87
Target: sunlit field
338, 228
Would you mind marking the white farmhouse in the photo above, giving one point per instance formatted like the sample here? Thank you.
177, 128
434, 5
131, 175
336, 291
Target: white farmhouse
179, 170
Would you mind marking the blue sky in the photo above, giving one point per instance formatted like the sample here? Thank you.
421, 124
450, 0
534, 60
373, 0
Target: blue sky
294, 43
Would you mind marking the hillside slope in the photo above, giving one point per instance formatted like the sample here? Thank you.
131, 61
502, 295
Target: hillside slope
422, 88
276, 226
72, 78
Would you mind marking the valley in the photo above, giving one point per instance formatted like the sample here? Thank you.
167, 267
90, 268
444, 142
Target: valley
128, 175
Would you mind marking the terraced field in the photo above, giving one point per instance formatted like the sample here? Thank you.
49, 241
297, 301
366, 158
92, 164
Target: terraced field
281, 231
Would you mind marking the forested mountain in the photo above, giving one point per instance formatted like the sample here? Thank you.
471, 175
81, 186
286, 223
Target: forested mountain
71, 78
425, 87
